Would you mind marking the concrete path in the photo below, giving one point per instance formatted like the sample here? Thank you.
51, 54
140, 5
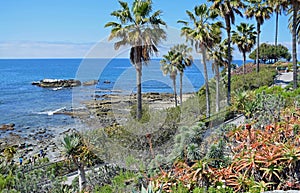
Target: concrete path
283, 79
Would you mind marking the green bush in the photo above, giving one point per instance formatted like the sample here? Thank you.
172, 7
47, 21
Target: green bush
145, 113
124, 182
187, 143
216, 154
104, 189
173, 115
290, 96
254, 80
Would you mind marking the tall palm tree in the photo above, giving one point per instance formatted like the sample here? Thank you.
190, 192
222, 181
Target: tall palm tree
295, 28
261, 11
179, 57
244, 38
227, 10
278, 6
142, 32
218, 55
168, 67
76, 149
183, 60
199, 34
297, 25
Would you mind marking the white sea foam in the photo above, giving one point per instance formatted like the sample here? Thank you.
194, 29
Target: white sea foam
50, 113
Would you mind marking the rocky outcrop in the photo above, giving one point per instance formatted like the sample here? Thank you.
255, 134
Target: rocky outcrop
7, 127
57, 83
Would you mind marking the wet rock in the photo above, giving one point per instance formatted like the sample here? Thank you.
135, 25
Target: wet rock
90, 83
42, 131
57, 83
7, 127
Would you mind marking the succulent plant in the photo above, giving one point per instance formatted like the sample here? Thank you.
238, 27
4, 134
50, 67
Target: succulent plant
150, 189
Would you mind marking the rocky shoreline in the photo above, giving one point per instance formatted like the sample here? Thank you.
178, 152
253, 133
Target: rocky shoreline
110, 109
33, 143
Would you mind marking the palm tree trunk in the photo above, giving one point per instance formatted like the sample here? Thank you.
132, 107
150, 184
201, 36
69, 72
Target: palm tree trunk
82, 178
181, 76
139, 90
206, 82
276, 27
81, 173
228, 29
174, 86
217, 89
276, 33
244, 63
294, 47
257, 50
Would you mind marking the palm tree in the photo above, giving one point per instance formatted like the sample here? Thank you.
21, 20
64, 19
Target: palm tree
261, 11
297, 25
179, 57
295, 28
218, 54
76, 149
168, 67
278, 6
201, 37
142, 32
244, 38
184, 59
227, 10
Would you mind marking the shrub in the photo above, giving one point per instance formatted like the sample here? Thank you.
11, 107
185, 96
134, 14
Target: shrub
254, 80
145, 113
187, 143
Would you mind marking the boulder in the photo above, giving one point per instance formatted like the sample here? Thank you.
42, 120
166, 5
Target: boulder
41, 131
90, 83
57, 83
7, 127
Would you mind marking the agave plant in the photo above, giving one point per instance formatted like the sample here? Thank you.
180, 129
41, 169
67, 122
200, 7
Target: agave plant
149, 189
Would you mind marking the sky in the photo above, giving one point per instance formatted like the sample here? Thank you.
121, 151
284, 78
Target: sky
75, 28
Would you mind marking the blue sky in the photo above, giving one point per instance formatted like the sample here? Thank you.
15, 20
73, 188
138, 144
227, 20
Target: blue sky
74, 28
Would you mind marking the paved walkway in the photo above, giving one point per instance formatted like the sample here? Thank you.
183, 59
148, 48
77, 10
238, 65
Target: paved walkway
283, 79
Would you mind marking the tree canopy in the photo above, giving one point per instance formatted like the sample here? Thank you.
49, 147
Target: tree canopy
271, 53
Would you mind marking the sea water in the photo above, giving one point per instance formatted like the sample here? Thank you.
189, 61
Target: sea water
32, 107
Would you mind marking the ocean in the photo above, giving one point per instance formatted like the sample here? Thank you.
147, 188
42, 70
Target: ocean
29, 107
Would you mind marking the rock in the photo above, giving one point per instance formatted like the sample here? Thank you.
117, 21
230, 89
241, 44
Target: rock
36, 83
7, 127
106, 81
90, 83
42, 131
57, 83
11, 125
